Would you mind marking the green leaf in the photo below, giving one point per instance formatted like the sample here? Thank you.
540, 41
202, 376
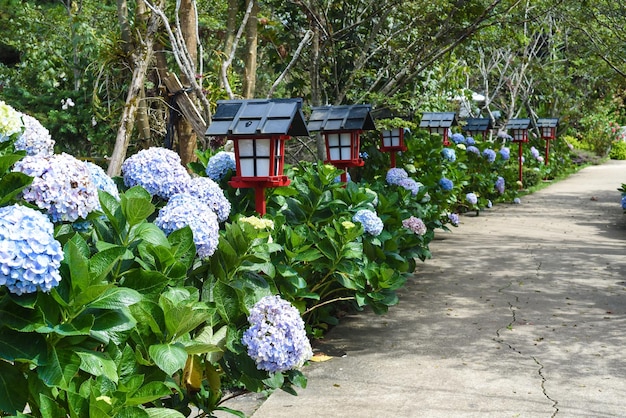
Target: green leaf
108, 324
182, 319
104, 261
50, 408
309, 255
97, 364
227, 302
168, 357
13, 389
80, 325
76, 257
151, 233
116, 298
147, 283
11, 185
148, 393
61, 367
184, 247
136, 205
163, 413
20, 346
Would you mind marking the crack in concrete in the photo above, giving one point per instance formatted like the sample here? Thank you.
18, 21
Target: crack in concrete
500, 340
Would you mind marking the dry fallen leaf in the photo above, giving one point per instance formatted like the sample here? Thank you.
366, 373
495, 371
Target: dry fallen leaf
318, 357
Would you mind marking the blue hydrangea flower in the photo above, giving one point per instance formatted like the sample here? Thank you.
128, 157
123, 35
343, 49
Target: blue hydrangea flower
458, 138
220, 165
534, 152
211, 194
156, 169
505, 153
410, 185
102, 180
62, 186
339, 180
454, 218
182, 210
416, 225
504, 136
395, 175
489, 204
276, 339
35, 139
517, 201
473, 150
372, 224
446, 184
364, 155
470, 141
624, 202
449, 154
490, 155
500, 184
471, 198
30, 257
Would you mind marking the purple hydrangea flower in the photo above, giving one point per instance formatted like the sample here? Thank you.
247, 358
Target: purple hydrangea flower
395, 175
534, 152
500, 184
505, 153
182, 210
454, 218
410, 185
211, 194
449, 154
158, 170
220, 165
624, 202
446, 184
503, 135
276, 339
62, 186
372, 224
517, 201
35, 139
415, 224
458, 138
471, 198
490, 155
473, 150
470, 141
30, 257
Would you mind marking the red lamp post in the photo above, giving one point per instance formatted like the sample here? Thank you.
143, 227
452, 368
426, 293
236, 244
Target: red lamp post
547, 128
439, 123
341, 127
259, 129
519, 133
477, 126
392, 141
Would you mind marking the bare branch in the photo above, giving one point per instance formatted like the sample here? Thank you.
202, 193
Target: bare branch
307, 37
231, 54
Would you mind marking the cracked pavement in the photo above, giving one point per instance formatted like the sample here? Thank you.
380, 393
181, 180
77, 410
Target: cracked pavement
520, 313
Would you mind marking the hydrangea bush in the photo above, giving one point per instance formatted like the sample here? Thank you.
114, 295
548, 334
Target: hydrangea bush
158, 170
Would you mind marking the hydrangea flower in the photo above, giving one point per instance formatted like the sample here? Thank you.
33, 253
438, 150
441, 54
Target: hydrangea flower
470, 141
540, 159
156, 169
624, 202
10, 121
449, 154
503, 135
489, 204
372, 224
102, 181
446, 184
35, 139
505, 153
416, 225
458, 138
220, 165
339, 180
410, 185
395, 175
500, 184
490, 155
30, 257
473, 150
471, 198
454, 218
517, 201
276, 339
62, 186
534, 152
182, 210
211, 194
257, 223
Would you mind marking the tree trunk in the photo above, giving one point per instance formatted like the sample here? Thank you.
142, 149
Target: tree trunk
249, 79
231, 25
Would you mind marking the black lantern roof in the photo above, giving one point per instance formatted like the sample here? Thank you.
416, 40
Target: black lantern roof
262, 117
547, 122
341, 118
518, 124
438, 120
477, 124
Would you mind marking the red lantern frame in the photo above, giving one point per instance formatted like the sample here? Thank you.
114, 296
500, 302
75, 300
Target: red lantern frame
392, 141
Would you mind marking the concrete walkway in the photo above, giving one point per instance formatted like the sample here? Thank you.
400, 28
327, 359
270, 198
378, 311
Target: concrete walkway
520, 313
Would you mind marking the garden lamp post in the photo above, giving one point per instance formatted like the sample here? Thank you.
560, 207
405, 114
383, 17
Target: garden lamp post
547, 127
259, 129
341, 127
392, 141
439, 123
477, 126
519, 134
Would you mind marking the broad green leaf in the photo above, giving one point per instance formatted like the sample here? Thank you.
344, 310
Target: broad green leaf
76, 257
309, 255
13, 389
116, 298
227, 301
131, 412
184, 247
21, 346
80, 325
97, 364
11, 185
149, 392
151, 233
104, 261
7, 161
163, 413
91, 293
108, 324
184, 318
136, 205
149, 314
49, 407
61, 367
168, 357
147, 283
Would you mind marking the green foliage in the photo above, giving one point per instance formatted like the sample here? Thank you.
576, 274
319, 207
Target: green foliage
618, 151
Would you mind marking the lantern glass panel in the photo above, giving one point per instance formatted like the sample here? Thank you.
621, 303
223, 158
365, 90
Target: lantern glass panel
254, 157
391, 138
339, 145
278, 161
518, 134
547, 132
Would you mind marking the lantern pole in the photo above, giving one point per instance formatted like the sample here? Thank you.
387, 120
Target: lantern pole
392, 155
520, 162
259, 200
547, 151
